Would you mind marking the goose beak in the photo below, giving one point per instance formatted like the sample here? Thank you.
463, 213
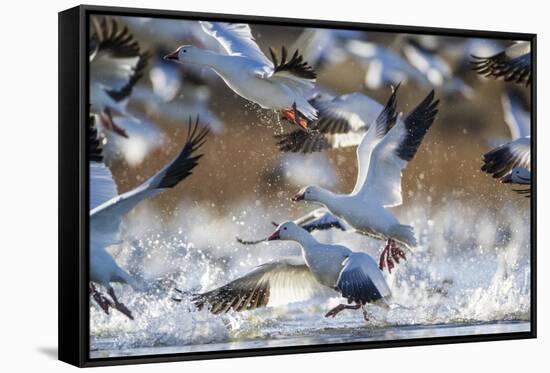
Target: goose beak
506, 179
274, 236
298, 197
172, 56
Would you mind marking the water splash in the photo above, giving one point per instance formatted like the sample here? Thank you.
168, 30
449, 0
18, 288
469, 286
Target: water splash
472, 266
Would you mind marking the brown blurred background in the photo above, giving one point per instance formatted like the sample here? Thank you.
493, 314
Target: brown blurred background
241, 163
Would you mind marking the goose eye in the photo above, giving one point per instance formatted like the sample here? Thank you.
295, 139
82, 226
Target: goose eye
284, 228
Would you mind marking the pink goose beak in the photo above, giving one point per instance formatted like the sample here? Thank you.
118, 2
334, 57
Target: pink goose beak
274, 236
172, 56
298, 197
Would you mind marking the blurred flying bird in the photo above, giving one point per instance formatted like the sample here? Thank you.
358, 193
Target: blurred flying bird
342, 122
317, 220
513, 64
117, 62
176, 94
438, 71
500, 161
384, 66
324, 47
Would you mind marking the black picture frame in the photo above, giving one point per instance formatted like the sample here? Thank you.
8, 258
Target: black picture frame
74, 189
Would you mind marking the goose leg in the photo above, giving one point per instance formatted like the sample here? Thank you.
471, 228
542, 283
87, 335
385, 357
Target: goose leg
385, 258
365, 313
108, 123
339, 308
294, 116
396, 252
118, 305
100, 299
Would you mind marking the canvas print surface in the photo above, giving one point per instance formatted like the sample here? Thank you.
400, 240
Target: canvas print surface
257, 186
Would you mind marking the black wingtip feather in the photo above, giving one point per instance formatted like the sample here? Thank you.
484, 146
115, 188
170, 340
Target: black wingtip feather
184, 163
295, 65
388, 116
501, 66
299, 141
499, 162
109, 34
417, 124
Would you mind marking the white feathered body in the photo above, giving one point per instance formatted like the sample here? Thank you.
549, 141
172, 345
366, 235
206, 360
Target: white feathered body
237, 73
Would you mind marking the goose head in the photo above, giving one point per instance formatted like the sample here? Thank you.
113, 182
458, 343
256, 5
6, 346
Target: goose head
519, 175
310, 193
286, 231
187, 53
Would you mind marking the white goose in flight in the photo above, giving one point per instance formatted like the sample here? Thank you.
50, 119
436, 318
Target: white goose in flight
117, 62
107, 209
501, 161
383, 154
326, 269
342, 122
513, 64
272, 84
519, 176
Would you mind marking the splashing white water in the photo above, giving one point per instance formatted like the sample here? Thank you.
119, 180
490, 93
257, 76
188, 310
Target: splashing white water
472, 266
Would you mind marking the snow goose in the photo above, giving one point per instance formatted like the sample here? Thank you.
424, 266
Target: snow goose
436, 69
324, 47
107, 209
342, 122
322, 268
177, 93
273, 84
316, 220
384, 66
519, 176
513, 64
500, 161
384, 152
116, 64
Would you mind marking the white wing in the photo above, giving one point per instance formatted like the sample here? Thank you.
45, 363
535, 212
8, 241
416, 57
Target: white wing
102, 184
236, 39
392, 154
107, 216
116, 60
376, 132
432, 66
517, 118
386, 63
284, 281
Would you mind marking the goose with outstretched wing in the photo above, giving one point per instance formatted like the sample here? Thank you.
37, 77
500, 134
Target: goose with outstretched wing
281, 83
117, 63
384, 152
512, 157
322, 270
513, 64
107, 209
